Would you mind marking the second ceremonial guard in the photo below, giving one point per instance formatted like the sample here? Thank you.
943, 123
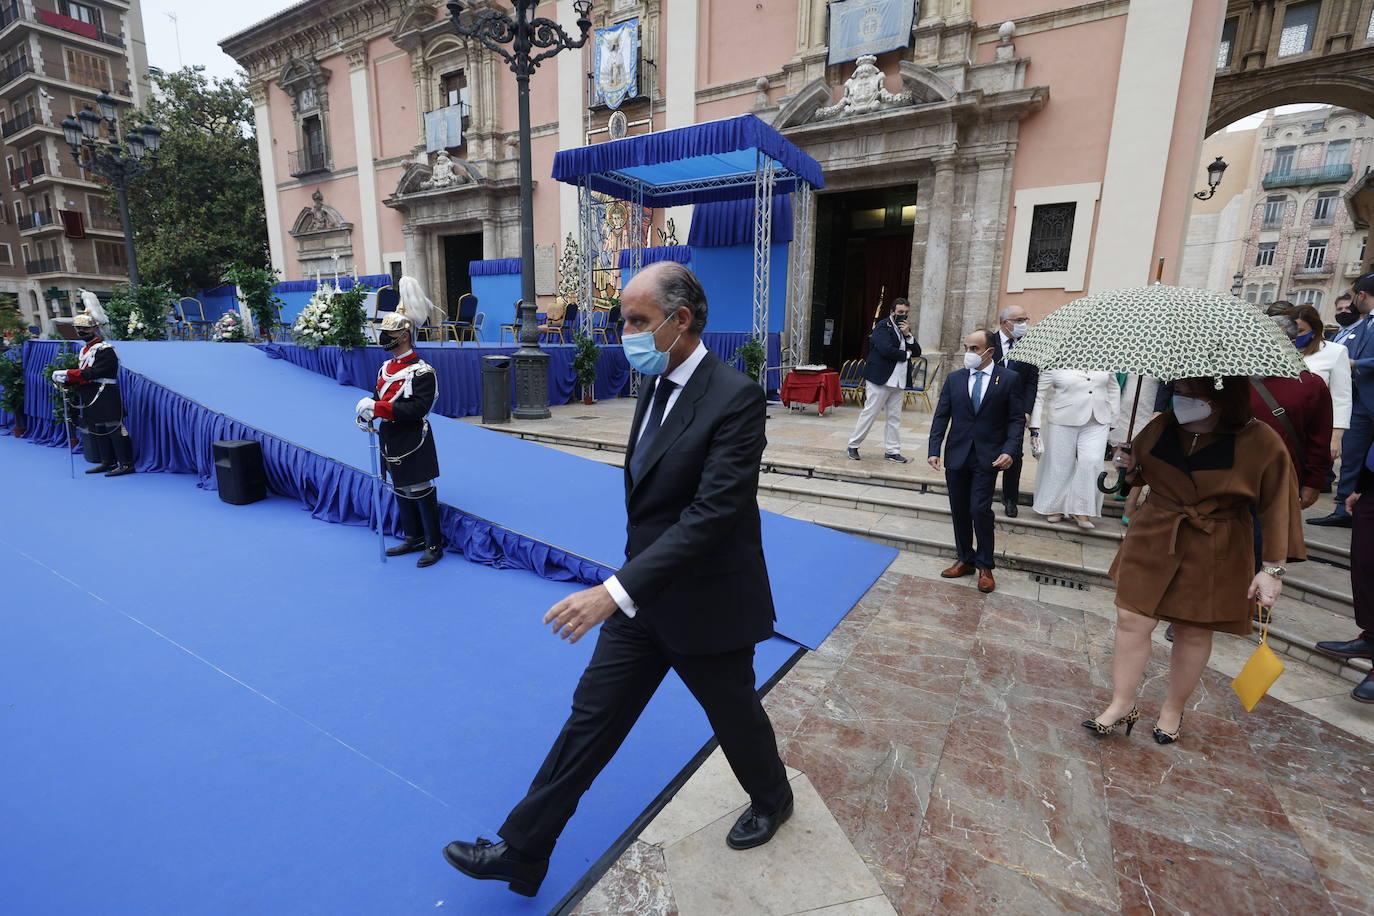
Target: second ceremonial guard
405, 393
94, 385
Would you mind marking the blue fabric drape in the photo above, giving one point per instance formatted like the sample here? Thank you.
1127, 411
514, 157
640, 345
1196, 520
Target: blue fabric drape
679, 253
375, 281
731, 222
494, 268
42, 428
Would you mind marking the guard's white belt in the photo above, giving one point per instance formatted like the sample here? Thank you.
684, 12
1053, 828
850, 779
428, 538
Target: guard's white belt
103, 381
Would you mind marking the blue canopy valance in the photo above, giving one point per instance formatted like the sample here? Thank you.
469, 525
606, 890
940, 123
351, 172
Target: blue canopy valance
680, 253
731, 222
374, 281
714, 161
494, 268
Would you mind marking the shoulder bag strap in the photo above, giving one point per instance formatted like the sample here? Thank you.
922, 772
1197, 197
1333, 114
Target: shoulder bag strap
1277, 411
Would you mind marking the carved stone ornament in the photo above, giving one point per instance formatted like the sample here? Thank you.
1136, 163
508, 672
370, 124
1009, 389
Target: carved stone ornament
305, 81
318, 218
864, 92
443, 174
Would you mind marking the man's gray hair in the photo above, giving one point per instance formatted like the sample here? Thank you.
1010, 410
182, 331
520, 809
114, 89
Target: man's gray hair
1286, 324
1005, 314
677, 287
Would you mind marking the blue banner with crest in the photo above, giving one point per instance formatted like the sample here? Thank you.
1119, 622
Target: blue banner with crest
617, 63
859, 27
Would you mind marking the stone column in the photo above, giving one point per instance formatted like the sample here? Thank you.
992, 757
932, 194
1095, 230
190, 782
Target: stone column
369, 260
991, 187
935, 273
267, 165
1259, 45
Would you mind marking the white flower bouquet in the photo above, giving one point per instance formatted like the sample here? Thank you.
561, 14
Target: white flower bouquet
229, 328
312, 326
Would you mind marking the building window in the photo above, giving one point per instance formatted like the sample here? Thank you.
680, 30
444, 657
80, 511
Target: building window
88, 70
1283, 158
81, 12
1312, 297
1364, 240
1299, 27
313, 132
1267, 294
1265, 256
1337, 153
1252, 293
1325, 210
453, 88
1316, 254
6, 255
1273, 212
110, 259
1051, 238
1228, 40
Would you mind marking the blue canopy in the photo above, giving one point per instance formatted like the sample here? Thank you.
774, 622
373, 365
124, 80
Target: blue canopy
705, 162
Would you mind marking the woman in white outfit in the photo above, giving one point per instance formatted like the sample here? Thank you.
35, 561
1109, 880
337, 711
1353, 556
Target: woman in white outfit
1329, 360
1077, 410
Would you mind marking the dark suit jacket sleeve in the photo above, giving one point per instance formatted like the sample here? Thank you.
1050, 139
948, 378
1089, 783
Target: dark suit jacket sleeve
884, 343
729, 483
939, 422
1016, 428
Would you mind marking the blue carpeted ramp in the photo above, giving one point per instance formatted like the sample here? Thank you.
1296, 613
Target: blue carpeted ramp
554, 498
210, 709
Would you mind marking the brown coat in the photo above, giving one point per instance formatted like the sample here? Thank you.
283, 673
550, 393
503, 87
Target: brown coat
1189, 553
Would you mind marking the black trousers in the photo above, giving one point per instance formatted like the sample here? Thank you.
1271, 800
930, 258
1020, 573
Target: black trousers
970, 502
1011, 481
626, 668
1362, 563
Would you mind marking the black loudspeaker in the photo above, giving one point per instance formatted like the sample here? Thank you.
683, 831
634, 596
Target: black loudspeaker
239, 472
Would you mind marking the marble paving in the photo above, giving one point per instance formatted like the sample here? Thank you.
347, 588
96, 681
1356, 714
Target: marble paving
939, 767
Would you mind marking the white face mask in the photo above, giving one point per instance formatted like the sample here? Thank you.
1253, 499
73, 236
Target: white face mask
972, 361
1018, 329
1190, 410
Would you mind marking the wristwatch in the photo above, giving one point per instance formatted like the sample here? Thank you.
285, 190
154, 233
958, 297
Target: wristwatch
1275, 571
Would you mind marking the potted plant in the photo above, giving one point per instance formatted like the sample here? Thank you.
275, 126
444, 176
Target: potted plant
64, 360
12, 389
584, 365
754, 357
255, 288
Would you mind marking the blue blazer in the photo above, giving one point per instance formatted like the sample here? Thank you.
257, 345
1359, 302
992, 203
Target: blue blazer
978, 438
1359, 340
885, 352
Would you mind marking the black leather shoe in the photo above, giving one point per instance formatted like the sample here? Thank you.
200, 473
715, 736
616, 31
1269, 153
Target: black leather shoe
754, 829
430, 557
854, 455
897, 457
1334, 520
1365, 691
1011, 509
120, 471
101, 468
488, 861
409, 545
1356, 648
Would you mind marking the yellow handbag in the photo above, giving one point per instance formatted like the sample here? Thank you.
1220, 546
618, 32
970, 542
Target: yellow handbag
1260, 672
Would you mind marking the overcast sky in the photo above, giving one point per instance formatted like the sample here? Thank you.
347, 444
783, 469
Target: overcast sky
201, 26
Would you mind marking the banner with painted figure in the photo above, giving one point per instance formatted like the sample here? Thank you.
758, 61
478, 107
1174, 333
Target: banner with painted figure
859, 27
444, 128
617, 63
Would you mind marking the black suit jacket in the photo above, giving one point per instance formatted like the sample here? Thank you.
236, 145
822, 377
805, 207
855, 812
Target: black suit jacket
978, 438
1029, 374
694, 551
885, 352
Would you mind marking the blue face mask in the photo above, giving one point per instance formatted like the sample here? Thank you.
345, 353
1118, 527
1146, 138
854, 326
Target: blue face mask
643, 354
1303, 340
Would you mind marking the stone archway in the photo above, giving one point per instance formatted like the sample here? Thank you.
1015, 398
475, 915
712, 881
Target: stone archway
1340, 90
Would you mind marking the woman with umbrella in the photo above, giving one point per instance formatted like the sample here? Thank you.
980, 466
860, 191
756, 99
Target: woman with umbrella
1188, 557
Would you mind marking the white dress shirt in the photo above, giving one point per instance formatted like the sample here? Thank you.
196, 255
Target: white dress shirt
1332, 363
1007, 344
898, 377
973, 374
679, 377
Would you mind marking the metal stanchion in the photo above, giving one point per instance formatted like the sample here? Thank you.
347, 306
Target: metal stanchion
66, 431
373, 450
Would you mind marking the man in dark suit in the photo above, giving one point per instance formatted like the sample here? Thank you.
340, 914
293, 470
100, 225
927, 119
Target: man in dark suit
980, 406
1358, 340
692, 596
887, 373
1011, 325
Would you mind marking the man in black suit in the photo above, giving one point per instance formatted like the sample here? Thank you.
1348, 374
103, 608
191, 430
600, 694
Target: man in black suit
981, 407
887, 373
1011, 325
692, 596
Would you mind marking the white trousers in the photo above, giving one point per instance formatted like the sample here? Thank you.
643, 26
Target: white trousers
878, 398
1066, 482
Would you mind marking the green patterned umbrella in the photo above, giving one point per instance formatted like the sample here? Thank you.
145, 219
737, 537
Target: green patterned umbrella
1168, 332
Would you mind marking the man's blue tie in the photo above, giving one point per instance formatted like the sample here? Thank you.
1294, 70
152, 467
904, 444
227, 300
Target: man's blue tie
977, 391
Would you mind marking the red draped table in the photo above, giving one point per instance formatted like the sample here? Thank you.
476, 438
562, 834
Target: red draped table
804, 386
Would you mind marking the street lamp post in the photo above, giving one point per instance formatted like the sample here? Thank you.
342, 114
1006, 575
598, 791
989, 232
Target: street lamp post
116, 162
525, 34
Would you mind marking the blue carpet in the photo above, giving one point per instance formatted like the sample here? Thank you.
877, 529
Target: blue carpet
577, 505
212, 709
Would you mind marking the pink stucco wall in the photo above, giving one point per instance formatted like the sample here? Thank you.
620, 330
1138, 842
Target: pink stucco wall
396, 122
743, 39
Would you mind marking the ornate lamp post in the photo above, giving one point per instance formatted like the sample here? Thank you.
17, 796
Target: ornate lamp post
531, 41
116, 162
1214, 173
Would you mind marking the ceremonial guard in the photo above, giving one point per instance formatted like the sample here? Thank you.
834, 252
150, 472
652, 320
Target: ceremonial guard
94, 383
405, 393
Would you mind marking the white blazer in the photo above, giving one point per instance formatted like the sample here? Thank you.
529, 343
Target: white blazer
1067, 397
1332, 363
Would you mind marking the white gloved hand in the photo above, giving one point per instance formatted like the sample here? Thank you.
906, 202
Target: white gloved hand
59, 376
364, 408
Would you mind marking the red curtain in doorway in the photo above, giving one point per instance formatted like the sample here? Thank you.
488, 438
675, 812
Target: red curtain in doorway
887, 271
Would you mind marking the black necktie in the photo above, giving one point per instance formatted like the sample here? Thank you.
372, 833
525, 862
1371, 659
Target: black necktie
662, 391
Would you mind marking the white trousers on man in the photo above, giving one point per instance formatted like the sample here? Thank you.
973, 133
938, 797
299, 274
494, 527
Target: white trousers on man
878, 398
1066, 482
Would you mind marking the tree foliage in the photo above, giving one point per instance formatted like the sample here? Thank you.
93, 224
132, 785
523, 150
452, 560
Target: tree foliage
201, 209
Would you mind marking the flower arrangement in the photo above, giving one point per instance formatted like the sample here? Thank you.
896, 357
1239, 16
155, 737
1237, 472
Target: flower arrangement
12, 388
230, 328
140, 312
63, 360
347, 316
14, 340
255, 288
314, 324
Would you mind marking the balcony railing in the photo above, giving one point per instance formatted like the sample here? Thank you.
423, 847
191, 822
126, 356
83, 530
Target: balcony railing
35, 220
27, 173
1353, 268
1320, 270
111, 223
44, 266
9, 14
17, 123
1302, 178
307, 162
77, 27
15, 70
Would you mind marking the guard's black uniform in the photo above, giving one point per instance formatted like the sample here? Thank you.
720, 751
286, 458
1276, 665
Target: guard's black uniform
95, 386
405, 393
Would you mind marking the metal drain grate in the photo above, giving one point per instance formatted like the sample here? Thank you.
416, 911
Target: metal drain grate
1061, 581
